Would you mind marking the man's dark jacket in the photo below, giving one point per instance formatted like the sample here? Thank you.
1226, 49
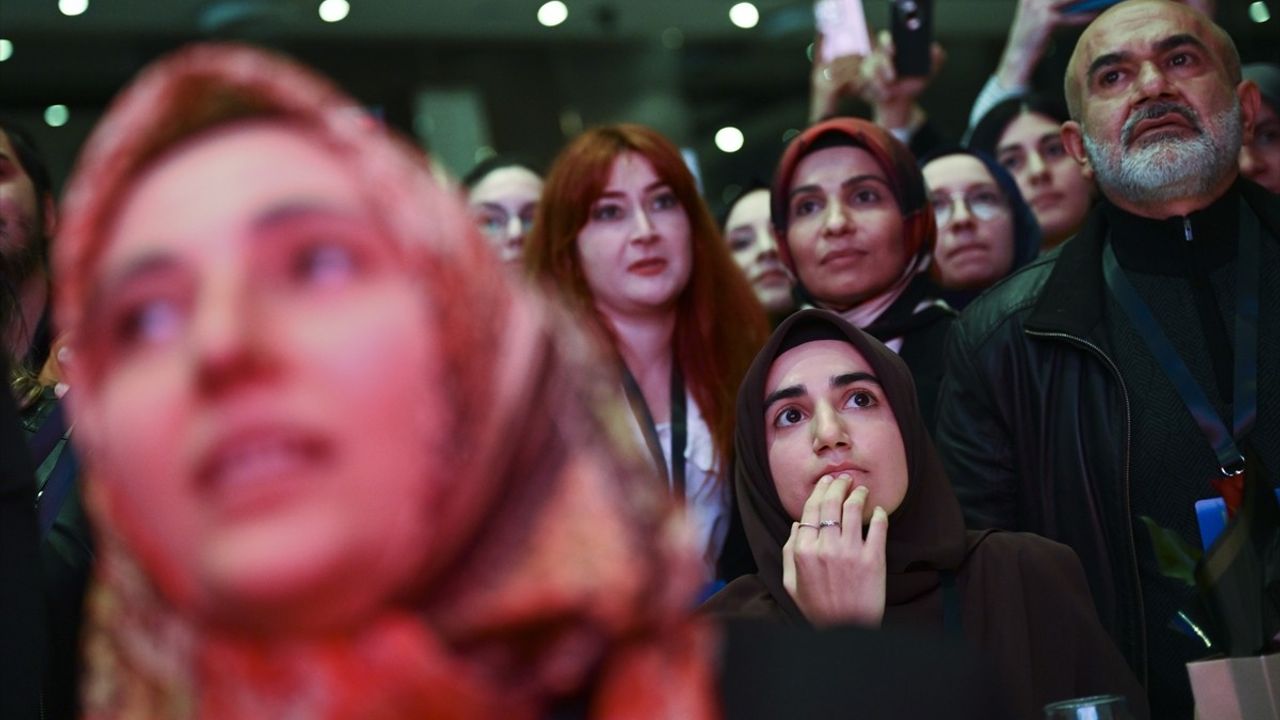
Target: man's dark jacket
1034, 418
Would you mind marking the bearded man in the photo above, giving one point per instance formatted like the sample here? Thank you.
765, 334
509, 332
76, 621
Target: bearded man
1063, 410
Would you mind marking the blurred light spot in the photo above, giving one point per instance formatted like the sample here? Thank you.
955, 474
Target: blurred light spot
672, 38
729, 139
56, 115
484, 152
72, 8
808, 52
1259, 12
730, 192
744, 15
789, 135
570, 123
6, 49
334, 10
553, 13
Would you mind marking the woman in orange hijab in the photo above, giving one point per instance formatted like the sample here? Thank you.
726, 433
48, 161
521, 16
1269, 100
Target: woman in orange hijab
341, 466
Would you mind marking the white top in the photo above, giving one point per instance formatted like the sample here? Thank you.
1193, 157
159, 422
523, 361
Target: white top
707, 497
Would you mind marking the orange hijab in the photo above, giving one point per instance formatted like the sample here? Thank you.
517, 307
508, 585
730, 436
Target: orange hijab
559, 576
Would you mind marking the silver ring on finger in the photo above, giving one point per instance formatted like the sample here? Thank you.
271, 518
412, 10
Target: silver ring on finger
809, 525
829, 523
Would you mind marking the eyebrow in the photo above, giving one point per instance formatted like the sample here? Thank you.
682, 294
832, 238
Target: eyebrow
1162, 46
162, 260
647, 189
837, 381
850, 182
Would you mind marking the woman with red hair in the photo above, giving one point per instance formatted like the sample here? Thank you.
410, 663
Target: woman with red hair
623, 235
856, 229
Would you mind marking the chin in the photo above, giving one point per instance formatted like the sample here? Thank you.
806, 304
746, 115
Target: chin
287, 576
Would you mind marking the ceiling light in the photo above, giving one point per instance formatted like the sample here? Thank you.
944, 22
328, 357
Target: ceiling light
334, 10
729, 139
73, 7
553, 13
1259, 13
744, 15
56, 115
6, 49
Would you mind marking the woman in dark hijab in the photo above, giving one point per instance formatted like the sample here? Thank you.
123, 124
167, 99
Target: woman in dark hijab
856, 230
826, 407
986, 230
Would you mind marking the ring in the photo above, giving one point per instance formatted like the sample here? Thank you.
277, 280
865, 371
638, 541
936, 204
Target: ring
829, 523
809, 525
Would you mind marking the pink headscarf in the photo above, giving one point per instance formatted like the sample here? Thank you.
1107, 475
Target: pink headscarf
555, 571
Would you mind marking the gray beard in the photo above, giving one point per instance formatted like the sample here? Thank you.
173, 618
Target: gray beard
1170, 169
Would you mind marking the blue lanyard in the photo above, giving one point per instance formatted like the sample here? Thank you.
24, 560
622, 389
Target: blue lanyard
1245, 382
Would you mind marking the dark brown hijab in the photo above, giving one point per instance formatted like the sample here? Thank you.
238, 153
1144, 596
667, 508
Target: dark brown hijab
926, 532
1024, 604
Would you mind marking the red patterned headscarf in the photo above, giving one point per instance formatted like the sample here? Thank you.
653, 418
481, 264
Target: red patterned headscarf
556, 574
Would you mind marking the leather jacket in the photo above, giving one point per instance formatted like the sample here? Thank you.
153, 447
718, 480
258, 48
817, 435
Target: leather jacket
1034, 419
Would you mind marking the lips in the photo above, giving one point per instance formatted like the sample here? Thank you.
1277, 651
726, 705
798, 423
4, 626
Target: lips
254, 468
1046, 200
967, 251
837, 470
648, 266
847, 256
1172, 121
773, 277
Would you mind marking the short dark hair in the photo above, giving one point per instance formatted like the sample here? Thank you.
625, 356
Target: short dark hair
986, 134
490, 164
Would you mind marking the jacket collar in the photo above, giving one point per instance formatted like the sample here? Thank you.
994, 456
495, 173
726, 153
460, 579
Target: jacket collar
1074, 294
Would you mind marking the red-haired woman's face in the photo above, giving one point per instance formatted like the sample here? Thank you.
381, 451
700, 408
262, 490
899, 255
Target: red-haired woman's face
636, 248
260, 379
845, 229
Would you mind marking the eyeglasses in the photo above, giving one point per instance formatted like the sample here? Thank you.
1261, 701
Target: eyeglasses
498, 224
982, 203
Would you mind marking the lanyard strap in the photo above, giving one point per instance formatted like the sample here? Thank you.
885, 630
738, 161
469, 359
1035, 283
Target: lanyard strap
1245, 382
679, 426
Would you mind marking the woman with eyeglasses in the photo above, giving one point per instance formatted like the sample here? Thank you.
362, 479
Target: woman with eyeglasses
985, 229
855, 228
502, 195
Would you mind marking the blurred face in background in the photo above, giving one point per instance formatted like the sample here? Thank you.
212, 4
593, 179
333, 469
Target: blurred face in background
635, 247
749, 233
975, 224
845, 230
502, 204
1260, 159
259, 384
1052, 182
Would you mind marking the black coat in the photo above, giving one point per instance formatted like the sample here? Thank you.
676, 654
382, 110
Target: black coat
1034, 421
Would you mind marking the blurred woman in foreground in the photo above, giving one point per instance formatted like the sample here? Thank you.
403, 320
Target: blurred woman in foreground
340, 465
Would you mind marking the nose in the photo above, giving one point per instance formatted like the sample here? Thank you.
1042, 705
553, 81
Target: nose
829, 431
643, 231
228, 339
1252, 164
1037, 169
766, 244
836, 218
1151, 81
515, 231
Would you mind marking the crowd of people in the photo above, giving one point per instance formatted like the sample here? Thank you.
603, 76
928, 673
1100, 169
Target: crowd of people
352, 440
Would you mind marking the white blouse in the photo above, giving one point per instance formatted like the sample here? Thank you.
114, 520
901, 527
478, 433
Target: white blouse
706, 496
